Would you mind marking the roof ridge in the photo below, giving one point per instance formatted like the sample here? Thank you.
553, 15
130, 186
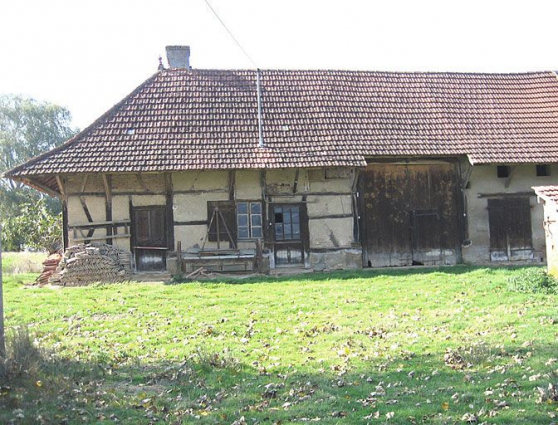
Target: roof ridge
356, 71
83, 133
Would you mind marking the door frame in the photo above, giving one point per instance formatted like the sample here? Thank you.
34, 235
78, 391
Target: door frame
157, 247
303, 242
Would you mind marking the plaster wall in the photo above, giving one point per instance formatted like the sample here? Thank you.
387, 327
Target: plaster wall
551, 230
484, 180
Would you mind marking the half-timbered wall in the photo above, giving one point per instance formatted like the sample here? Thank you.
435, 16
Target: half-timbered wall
483, 186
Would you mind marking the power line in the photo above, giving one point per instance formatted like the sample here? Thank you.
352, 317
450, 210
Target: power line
231, 34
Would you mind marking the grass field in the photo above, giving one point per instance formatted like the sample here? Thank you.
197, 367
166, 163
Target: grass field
449, 345
22, 262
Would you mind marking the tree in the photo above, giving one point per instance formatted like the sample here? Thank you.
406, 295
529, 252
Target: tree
35, 227
27, 129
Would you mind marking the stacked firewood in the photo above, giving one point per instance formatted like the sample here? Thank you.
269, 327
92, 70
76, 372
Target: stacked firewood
85, 264
49, 268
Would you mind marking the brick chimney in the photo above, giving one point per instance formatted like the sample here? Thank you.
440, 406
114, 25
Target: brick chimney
178, 56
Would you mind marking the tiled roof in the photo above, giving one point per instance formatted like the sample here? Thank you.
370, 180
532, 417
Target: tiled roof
548, 193
207, 119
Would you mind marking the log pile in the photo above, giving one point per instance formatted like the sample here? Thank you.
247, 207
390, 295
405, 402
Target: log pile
85, 264
49, 268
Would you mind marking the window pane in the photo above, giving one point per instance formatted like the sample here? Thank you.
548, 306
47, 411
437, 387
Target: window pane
287, 218
242, 208
256, 220
278, 217
243, 233
242, 220
296, 231
278, 210
296, 216
256, 232
256, 208
279, 231
288, 232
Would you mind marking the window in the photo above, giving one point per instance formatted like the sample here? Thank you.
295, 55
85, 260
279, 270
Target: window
287, 223
503, 171
249, 220
543, 170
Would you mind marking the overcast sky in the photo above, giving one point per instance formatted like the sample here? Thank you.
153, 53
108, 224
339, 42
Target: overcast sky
87, 55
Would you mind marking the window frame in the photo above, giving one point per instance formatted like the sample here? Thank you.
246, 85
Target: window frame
249, 214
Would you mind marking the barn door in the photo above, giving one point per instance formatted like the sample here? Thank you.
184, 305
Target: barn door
409, 214
289, 224
150, 241
509, 221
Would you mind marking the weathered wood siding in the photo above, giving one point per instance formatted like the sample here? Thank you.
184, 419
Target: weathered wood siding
409, 214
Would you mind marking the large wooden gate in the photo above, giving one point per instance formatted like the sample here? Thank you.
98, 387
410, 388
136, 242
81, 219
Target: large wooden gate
409, 214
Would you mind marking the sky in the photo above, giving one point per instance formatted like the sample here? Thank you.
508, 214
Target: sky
87, 55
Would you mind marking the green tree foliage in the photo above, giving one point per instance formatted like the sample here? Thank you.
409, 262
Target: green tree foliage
27, 129
36, 227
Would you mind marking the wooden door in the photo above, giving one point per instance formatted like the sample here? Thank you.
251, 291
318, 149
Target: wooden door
289, 227
409, 214
150, 240
509, 221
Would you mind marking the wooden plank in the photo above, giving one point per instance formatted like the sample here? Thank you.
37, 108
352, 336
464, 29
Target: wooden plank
332, 216
119, 223
506, 195
100, 238
191, 223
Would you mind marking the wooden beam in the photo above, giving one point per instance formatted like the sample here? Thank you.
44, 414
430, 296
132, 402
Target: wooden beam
42, 188
295, 184
232, 185
510, 175
142, 183
169, 199
65, 240
87, 215
506, 195
61, 186
107, 182
84, 183
333, 216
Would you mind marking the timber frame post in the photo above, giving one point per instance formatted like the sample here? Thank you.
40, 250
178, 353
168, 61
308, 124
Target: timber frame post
169, 202
107, 182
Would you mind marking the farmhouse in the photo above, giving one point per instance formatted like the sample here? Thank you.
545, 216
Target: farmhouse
315, 169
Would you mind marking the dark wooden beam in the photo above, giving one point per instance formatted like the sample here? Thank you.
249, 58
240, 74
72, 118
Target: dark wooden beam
191, 223
142, 183
107, 182
333, 216
169, 197
506, 195
295, 184
231, 184
61, 186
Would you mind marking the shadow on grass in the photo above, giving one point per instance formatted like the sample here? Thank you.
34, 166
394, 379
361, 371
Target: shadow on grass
215, 388
368, 273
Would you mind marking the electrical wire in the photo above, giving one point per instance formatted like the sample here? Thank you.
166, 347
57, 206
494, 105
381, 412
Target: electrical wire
231, 34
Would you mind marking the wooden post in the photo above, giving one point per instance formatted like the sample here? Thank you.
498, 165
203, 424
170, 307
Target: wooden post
179, 258
108, 205
2, 332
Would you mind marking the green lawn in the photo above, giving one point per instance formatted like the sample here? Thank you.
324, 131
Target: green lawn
449, 345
